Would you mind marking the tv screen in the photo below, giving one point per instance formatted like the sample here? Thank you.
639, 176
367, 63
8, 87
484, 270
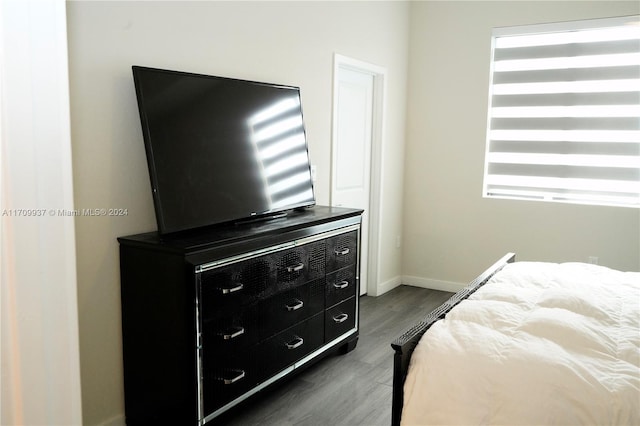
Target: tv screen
221, 149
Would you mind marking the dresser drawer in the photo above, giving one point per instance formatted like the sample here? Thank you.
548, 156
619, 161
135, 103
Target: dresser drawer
341, 285
235, 285
289, 346
228, 374
288, 308
299, 265
342, 250
233, 328
340, 319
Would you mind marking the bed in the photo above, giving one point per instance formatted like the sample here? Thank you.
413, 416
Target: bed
525, 343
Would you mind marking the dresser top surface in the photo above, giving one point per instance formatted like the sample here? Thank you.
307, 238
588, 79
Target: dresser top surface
231, 233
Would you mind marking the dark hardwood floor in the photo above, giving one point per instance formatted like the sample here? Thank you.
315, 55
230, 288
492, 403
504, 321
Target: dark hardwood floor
351, 389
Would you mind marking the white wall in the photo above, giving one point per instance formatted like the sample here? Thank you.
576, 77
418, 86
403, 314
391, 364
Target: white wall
40, 383
451, 233
289, 42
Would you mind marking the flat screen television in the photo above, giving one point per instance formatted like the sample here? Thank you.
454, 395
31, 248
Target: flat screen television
221, 149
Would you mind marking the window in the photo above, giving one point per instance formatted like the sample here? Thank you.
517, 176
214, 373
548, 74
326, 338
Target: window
564, 113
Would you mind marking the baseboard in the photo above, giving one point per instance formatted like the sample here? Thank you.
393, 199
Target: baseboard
429, 283
386, 286
449, 286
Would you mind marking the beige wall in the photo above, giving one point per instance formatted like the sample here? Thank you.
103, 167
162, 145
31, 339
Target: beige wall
289, 43
450, 232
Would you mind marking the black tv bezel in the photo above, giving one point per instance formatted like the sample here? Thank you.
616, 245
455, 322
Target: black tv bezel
163, 229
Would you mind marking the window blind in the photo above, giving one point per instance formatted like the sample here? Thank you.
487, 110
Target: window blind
564, 113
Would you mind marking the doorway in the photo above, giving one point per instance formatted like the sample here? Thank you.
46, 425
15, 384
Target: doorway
356, 162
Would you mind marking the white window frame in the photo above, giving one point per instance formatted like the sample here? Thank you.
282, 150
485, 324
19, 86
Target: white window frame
539, 148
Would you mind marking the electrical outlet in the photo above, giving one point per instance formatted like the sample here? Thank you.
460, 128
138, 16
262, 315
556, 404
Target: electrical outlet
397, 241
593, 260
313, 173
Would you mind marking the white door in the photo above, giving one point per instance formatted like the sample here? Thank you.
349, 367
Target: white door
351, 162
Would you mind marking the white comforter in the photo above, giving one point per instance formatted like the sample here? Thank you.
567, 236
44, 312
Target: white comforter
540, 344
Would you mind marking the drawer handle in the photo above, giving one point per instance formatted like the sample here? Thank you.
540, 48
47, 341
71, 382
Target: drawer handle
296, 268
340, 318
231, 289
297, 304
341, 284
233, 333
239, 374
342, 252
295, 343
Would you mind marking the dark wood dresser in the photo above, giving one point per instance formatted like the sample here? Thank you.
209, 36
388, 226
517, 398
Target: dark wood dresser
209, 318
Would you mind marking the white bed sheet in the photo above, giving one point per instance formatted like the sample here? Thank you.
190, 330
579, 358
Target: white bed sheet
540, 344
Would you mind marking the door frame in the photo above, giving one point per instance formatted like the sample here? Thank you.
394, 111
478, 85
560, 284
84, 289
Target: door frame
377, 137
